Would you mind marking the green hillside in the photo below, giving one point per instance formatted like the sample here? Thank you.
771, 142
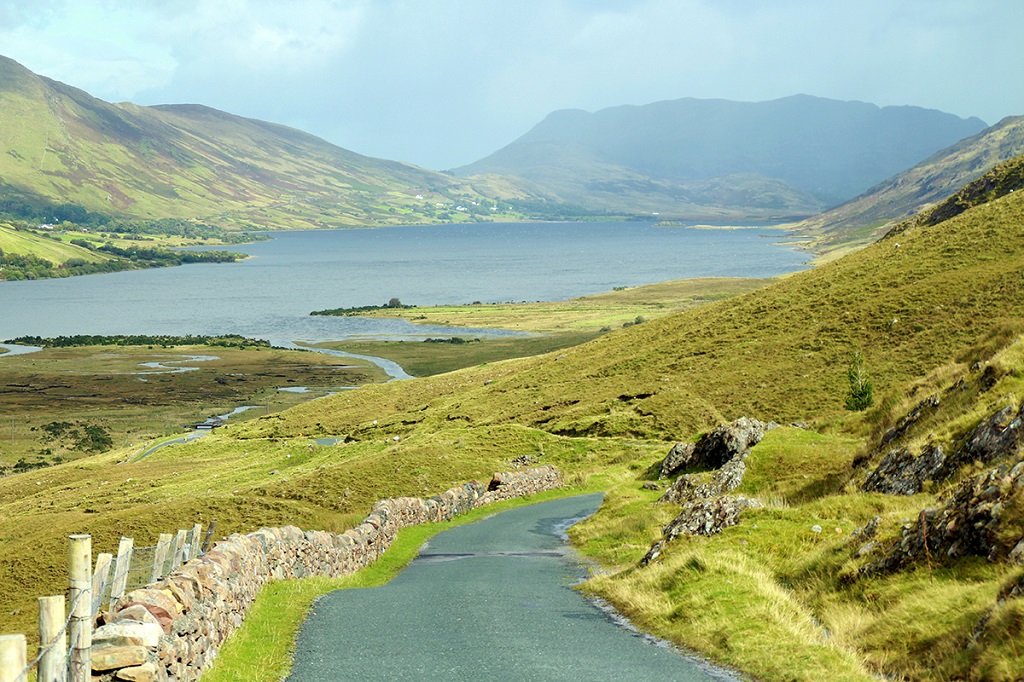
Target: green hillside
64, 146
786, 594
716, 159
27, 243
863, 219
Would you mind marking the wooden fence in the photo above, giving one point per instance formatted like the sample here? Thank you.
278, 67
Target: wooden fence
65, 641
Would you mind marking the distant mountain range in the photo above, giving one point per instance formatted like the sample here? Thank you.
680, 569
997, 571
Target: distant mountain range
708, 159
60, 145
688, 159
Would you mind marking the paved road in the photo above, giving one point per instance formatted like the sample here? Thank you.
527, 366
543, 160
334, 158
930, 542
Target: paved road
488, 601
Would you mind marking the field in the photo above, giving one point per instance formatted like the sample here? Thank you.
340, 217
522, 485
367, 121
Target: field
51, 399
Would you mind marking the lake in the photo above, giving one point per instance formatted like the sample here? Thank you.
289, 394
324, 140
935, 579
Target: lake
271, 294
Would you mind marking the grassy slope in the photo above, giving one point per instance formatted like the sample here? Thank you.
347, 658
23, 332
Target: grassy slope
921, 312
12, 241
194, 162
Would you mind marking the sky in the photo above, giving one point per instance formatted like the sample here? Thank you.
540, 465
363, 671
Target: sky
443, 83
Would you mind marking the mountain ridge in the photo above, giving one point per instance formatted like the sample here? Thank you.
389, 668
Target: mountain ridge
825, 151
193, 161
869, 215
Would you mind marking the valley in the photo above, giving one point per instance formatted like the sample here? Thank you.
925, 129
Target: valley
805, 421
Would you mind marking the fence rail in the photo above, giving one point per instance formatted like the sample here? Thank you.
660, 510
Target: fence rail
66, 623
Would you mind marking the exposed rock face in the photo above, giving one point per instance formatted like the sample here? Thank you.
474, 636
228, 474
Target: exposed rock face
715, 447
997, 436
678, 458
902, 473
925, 407
702, 517
705, 508
697, 486
983, 517
723, 449
171, 630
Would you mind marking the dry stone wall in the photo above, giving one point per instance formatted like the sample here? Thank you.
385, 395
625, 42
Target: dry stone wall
171, 630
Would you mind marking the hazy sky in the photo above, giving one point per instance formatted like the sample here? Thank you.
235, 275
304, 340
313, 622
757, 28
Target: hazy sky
441, 83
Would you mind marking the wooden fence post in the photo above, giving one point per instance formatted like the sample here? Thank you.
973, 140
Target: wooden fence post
100, 580
161, 557
208, 540
13, 658
197, 531
80, 565
52, 641
121, 568
179, 550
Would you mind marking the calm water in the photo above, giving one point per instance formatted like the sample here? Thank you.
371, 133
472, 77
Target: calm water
270, 295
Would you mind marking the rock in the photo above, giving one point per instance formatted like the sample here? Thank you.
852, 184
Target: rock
138, 612
715, 448
902, 473
111, 658
678, 458
726, 441
127, 633
158, 603
983, 517
997, 436
140, 673
922, 409
702, 517
651, 485
869, 530
698, 486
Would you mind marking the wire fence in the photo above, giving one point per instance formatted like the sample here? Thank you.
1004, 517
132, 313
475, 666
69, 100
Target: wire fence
66, 623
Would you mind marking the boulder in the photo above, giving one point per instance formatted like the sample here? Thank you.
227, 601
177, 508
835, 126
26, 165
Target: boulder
114, 657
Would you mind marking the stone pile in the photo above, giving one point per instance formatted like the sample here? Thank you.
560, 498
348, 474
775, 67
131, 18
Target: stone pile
171, 630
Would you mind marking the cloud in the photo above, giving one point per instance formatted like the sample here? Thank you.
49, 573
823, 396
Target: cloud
444, 82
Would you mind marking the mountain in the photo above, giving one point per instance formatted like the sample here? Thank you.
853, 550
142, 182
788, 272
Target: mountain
706, 159
868, 216
61, 145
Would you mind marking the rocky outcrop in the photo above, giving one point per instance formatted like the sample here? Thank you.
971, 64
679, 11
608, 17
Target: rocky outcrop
680, 457
722, 449
983, 517
716, 447
702, 517
171, 630
697, 486
706, 510
902, 473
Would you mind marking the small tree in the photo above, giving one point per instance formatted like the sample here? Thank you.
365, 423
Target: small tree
860, 396
395, 303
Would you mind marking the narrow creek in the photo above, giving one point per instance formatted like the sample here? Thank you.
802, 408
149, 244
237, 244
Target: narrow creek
489, 600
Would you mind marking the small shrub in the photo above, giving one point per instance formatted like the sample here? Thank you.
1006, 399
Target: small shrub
861, 395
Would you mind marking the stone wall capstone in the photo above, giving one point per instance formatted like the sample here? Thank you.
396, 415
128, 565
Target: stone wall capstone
171, 630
